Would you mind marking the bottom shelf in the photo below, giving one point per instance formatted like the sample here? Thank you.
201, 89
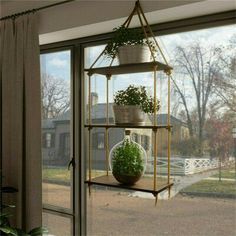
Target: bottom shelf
143, 185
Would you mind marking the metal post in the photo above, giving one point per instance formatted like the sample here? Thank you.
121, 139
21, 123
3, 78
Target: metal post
155, 130
107, 123
155, 161
169, 136
234, 137
235, 157
220, 168
89, 141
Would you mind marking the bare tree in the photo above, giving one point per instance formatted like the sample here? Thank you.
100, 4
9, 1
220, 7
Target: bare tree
55, 94
225, 83
197, 68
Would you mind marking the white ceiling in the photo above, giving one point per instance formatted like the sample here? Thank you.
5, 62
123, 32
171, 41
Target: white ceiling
83, 18
9, 7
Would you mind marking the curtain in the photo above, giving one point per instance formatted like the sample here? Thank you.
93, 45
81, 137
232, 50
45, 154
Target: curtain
21, 116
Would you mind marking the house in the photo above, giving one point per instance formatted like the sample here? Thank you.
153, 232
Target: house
56, 136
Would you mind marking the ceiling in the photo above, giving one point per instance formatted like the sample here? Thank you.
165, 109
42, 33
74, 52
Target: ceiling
10, 7
82, 18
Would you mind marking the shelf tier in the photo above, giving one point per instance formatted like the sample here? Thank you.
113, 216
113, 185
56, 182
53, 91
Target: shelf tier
129, 126
129, 68
143, 185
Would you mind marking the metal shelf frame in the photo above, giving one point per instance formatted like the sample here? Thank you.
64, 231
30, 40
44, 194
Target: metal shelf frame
151, 185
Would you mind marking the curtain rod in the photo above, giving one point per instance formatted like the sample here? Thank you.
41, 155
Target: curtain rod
34, 10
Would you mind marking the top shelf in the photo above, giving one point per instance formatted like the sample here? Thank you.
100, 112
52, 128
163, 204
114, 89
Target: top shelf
129, 68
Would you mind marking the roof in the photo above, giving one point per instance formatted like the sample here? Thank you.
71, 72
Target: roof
65, 116
99, 113
48, 124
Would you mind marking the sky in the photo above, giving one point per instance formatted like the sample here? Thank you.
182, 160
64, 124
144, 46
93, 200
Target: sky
58, 64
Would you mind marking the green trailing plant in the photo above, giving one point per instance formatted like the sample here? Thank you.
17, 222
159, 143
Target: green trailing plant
7, 229
127, 159
137, 96
126, 36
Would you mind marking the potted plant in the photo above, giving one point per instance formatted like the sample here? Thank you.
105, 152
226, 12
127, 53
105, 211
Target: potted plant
7, 229
129, 45
131, 104
127, 161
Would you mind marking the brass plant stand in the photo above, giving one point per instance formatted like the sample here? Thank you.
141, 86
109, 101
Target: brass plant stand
149, 185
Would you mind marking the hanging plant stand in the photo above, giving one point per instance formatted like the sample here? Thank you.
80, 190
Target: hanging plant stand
146, 184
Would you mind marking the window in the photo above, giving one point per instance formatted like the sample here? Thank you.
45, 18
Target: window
48, 140
64, 146
119, 212
135, 137
145, 142
98, 140
57, 181
195, 148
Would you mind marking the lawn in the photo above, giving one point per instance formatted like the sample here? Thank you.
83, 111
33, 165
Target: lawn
58, 174
63, 175
212, 186
227, 174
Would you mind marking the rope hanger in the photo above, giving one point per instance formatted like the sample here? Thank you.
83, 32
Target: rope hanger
147, 31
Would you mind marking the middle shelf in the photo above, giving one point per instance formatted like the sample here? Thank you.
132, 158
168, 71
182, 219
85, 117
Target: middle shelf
128, 126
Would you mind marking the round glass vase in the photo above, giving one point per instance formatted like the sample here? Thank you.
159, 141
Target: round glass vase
127, 161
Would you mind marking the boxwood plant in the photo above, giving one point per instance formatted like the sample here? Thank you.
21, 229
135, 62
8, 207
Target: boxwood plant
137, 96
126, 36
127, 159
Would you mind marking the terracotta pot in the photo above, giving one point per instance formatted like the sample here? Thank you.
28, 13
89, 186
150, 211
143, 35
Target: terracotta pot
131, 115
130, 54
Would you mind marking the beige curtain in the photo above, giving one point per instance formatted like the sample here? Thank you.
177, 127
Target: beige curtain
21, 116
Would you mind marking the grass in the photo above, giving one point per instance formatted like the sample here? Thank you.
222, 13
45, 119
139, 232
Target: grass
63, 175
58, 174
212, 186
227, 174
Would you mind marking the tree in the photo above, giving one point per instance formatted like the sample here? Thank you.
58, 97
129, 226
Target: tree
225, 83
55, 94
197, 68
219, 137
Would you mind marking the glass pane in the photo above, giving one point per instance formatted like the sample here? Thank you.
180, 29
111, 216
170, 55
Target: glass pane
202, 156
57, 225
56, 128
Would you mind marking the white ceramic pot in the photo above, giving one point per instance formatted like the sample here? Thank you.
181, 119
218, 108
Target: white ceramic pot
131, 115
130, 54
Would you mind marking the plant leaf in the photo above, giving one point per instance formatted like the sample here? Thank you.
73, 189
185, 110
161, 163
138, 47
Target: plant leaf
20, 232
38, 231
9, 230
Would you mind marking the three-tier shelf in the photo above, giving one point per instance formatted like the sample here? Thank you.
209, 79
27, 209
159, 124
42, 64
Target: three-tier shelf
150, 184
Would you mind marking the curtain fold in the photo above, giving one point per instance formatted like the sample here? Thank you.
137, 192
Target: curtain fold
21, 116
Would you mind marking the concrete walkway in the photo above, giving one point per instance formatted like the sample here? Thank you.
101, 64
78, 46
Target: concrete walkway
180, 182
223, 179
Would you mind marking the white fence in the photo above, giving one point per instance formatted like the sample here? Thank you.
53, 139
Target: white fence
183, 165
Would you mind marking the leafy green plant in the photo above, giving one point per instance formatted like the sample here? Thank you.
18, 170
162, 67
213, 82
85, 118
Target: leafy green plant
127, 159
126, 36
137, 96
7, 229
